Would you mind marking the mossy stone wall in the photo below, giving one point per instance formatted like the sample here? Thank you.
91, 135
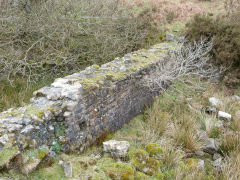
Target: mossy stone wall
77, 110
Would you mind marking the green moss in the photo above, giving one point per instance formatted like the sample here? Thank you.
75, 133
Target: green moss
119, 75
140, 176
191, 163
104, 161
7, 154
42, 152
30, 109
96, 66
141, 160
182, 165
133, 69
154, 149
122, 170
39, 153
14, 112
159, 175
49, 173
52, 110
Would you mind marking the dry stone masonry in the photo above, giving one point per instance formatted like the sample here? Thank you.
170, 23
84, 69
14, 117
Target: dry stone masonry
75, 111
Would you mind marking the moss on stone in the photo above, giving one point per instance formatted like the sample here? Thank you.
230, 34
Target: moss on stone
154, 149
53, 110
7, 154
133, 69
119, 170
42, 152
13, 112
141, 160
95, 66
35, 110
140, 176
39, 153
190, 163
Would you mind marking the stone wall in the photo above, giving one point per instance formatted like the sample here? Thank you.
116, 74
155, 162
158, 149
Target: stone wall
75, 111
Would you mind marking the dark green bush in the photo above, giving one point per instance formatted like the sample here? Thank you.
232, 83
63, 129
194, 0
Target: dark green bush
225, 32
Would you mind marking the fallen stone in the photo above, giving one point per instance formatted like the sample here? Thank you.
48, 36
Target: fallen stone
214, 102
210, 146
200, 164
217, 163
67, 168
116, 148
224, 116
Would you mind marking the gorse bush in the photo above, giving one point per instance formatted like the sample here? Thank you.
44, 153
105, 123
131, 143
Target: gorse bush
225, 32
39, 39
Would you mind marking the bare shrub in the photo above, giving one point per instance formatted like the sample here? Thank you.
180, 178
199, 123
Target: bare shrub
51, 38
190, 60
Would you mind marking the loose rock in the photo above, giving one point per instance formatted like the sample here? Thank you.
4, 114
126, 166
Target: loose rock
214, 102
210, 146
116, 148
218, 163
201, 164
224, 116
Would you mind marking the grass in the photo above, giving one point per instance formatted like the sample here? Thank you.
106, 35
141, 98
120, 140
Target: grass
19, 93
7, 154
